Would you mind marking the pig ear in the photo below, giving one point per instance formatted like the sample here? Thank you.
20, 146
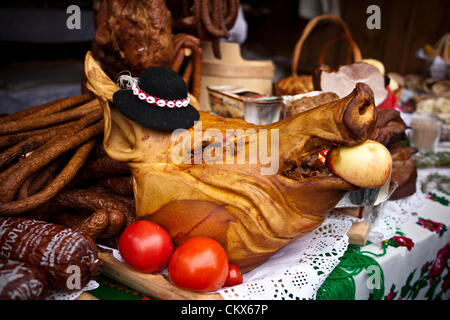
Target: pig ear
96, 79
119, 136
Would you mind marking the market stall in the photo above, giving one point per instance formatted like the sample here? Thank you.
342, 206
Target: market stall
184, 171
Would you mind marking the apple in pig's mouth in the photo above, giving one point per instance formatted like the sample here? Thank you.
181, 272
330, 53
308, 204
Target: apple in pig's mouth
367, 165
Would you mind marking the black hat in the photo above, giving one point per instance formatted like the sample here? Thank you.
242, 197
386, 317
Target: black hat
158, 99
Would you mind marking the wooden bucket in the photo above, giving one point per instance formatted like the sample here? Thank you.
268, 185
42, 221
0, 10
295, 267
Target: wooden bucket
232, 69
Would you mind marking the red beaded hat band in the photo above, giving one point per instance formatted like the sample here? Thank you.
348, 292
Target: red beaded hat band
158, 101
127, 82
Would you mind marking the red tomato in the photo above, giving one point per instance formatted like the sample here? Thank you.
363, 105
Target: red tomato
199, 264
145, 246
234, 276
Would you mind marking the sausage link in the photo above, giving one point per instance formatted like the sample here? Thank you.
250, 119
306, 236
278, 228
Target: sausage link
92, 226
20, 281
48, 108
14, 138
101, 168
120, 214
59, 117
55, 249
63, 178
15, 175
118, 185
232, 8
208, 23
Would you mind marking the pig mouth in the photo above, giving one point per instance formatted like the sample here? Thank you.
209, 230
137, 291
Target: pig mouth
312, 170
309, 166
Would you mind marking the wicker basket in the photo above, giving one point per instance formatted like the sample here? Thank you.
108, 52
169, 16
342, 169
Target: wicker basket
298, 84
441, 49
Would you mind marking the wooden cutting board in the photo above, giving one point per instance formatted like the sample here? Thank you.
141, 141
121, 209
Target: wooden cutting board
153, 285
86, 296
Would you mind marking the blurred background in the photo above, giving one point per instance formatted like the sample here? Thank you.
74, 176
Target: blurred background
42, 58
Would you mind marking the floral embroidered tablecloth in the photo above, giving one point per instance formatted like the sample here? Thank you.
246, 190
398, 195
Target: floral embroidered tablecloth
413, 264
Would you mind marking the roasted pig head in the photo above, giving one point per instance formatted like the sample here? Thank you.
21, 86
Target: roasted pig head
254, 208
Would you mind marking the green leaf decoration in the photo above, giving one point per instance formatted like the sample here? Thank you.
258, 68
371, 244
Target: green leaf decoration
443, 229
431, 159
418, 285
411, 276
392, 243
405, 291
439, 296
442, 200
340, 284
432, 289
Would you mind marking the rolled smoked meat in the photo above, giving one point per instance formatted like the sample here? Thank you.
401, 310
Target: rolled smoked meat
68, 258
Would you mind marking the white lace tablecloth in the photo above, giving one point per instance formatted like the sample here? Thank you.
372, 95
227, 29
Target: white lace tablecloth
299, 270
62, 295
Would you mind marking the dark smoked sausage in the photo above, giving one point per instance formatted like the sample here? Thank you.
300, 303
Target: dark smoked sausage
60, 252
19, 281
